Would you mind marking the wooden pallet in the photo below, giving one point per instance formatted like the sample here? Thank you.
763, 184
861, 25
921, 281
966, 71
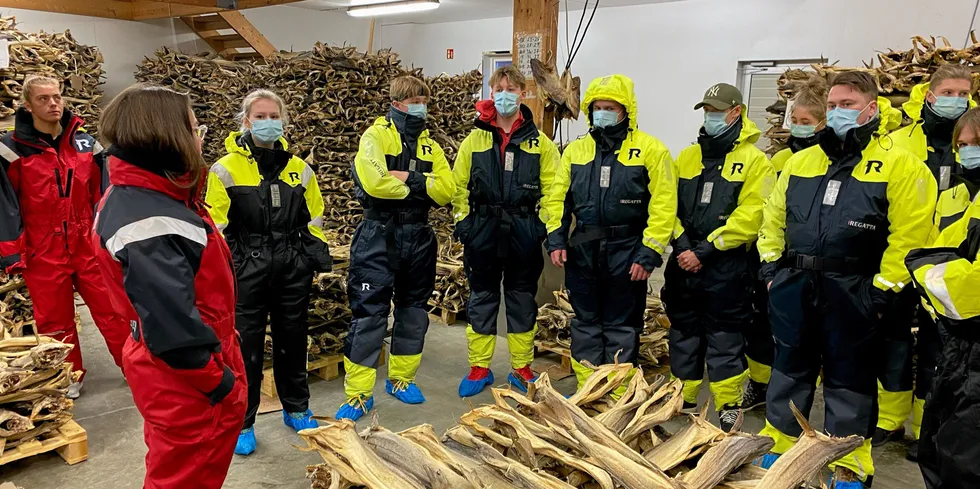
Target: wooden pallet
448, 316
70, 441
564, 353
327, 367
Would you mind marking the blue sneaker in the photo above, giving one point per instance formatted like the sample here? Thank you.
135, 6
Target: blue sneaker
406, 392
354, 408
768, 459
521, 378
299, 421
246, 442
474, 383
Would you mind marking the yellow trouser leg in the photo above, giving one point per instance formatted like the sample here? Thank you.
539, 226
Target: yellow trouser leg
859, 461
404, 367
359, 380
893, 408
783, 441
918, 406
759, 372
727, 392
480, 347
521, 346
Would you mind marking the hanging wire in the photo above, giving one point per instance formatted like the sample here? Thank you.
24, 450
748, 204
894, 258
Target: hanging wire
568, 47
584, 32
579, 28
973, 19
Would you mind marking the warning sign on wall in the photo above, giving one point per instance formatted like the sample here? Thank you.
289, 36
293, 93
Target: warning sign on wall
449, 54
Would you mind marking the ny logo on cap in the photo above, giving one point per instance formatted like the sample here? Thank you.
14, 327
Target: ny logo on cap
713, 91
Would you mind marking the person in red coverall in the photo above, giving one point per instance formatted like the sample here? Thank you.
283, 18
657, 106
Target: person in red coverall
170, 272
51, 181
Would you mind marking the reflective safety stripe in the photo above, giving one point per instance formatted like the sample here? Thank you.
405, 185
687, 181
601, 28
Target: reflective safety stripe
653, 243
769, 255
153, 227
221, 226
936, 285
307, 175
8, 154
721, 242
223, 175
884, 282
97, 148
317, 222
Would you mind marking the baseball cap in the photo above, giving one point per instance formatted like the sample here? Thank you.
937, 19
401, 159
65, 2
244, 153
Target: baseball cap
721, 96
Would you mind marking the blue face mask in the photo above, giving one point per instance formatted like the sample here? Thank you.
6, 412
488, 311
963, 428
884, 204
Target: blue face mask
604, 118
506, 103
843, 120
802, 131
970, 157
714, 123
950, 107
417, 110
267, 130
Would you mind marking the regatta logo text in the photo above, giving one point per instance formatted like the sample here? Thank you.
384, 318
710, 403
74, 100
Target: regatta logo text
529, 186
861, 225
631, 201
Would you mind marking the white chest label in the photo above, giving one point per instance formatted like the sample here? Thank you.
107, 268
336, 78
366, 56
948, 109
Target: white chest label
830, 196
412, 165
276, 199
706, 191
944, 172
604, 176
509, 161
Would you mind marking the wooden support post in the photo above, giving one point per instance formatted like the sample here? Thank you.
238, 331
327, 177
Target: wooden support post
370, 48
535, 35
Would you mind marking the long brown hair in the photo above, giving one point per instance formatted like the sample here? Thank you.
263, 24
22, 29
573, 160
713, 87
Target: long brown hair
156, 119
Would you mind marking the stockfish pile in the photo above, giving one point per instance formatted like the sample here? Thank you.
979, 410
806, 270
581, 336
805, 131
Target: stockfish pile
591, 440
333, 94
16, 308
554, 327
34, 380
58, 56
896, 73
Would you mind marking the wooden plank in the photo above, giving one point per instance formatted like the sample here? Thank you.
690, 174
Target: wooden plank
536, 17
242, 4
70, 441
146, 10
245, 28
111, 9
206, 23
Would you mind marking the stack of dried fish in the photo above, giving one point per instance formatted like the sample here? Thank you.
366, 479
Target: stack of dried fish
897, 73
544, 440
55, 55
333, 94
16, 308
34, 380
554, 323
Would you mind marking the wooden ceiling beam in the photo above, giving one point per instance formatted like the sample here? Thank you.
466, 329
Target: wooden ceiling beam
242, 4
147, 10
110, 9
135, 9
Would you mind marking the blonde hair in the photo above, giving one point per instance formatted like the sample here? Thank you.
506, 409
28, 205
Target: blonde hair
262, 94
156, 119
812, 96
950, 72
35, 81
511, 73
406, 87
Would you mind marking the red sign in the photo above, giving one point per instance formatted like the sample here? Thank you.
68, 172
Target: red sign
449, 54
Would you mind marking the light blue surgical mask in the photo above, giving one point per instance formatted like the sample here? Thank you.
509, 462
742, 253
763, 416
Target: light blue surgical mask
802, 131
506, 103
417, 110
604, 118
267, 130
714, 123
842, 120
950, 107
970, 157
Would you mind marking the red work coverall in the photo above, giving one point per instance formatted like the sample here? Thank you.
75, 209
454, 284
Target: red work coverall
170, 273
48, 197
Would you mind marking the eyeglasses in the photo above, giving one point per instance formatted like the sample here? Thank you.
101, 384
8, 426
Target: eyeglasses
202, 131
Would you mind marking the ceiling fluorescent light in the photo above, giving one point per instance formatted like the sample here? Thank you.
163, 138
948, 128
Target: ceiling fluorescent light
400, 7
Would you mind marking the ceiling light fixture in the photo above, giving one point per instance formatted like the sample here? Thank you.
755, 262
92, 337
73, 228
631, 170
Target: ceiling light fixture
389, 8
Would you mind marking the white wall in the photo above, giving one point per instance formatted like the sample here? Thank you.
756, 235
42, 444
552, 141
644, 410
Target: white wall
123, 43
676, 50
297, 29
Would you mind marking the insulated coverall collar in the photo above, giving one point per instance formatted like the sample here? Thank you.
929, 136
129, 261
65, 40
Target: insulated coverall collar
610, 138
25, 131
132, 168
799, 144
969, 178
487, 121
714, 147
235, 143
937, 128
270, 161
408, 125
854, 143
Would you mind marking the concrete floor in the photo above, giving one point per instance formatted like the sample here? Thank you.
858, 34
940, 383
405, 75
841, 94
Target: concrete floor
116, 446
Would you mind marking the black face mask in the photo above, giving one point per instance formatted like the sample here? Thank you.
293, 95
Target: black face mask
609, 138
937, 128
854, 142
408, 125
715, 147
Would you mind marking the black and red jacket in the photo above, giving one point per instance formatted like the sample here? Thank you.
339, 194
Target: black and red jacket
169, 273
47, 190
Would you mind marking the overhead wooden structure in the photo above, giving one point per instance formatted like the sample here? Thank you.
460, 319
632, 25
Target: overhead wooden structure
134, 9
535, 35
214, 30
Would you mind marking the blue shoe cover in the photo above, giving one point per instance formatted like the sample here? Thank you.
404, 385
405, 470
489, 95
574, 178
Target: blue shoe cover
470, 388
246, 442
353, 409
519, 383
768, 459
302, 423
406, 392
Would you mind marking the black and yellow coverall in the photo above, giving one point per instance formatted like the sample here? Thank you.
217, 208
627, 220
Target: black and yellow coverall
723, 182
619, 185
268, 205
394, 250
835, 232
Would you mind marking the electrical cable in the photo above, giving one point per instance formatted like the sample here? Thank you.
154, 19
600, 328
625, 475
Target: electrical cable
973, 19
574, 53
568, 48
577, 29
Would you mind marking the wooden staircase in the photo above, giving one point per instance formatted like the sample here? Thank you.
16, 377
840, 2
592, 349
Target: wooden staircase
231, 35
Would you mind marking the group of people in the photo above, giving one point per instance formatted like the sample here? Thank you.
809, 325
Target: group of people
809, 268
